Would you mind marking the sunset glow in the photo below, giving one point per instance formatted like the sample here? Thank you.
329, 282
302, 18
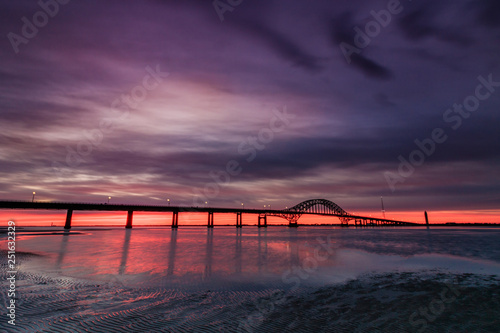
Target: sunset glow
161, 111
57, 218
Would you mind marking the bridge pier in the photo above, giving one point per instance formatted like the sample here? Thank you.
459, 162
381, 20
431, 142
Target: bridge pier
293, 224
175, 219
262, 218
210, 220
239, 220
130, 214
69, 215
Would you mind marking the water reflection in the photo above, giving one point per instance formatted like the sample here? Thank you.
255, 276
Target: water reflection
430, 246
171, 252
237, 251
63, 249
173, 257
209, 250
262, 250
125, 248
293, 246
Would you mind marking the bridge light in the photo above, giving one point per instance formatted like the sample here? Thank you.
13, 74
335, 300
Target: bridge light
33, 198
168, 200
109, 198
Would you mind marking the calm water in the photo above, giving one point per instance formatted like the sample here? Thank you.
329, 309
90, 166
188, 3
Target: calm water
259, 280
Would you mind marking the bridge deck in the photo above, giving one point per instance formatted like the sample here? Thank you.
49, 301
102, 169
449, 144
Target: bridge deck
71, 206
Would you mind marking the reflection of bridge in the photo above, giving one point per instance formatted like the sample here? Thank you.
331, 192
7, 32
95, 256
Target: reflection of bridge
172, 262
309, 207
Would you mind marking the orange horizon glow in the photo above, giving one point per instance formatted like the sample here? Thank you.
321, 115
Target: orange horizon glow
85, 218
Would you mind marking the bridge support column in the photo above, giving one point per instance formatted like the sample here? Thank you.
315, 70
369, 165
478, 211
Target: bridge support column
210, 220
293, 224
264, 219
130, 214
69, 215
175, 219
239, 220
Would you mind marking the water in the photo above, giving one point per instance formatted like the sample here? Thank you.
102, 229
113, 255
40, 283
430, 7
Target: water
309, 279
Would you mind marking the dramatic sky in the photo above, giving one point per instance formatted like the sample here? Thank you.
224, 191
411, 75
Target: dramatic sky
261, 87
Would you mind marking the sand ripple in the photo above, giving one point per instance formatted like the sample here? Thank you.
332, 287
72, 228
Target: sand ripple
373, 303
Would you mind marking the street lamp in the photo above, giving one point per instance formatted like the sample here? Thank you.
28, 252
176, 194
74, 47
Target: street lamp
33, 198
168, 200
206, 203
242, 205
109, 198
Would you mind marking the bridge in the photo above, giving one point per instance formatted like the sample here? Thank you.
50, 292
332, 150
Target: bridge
292, 215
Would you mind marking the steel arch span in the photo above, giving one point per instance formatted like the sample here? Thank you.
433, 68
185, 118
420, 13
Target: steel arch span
315, 206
